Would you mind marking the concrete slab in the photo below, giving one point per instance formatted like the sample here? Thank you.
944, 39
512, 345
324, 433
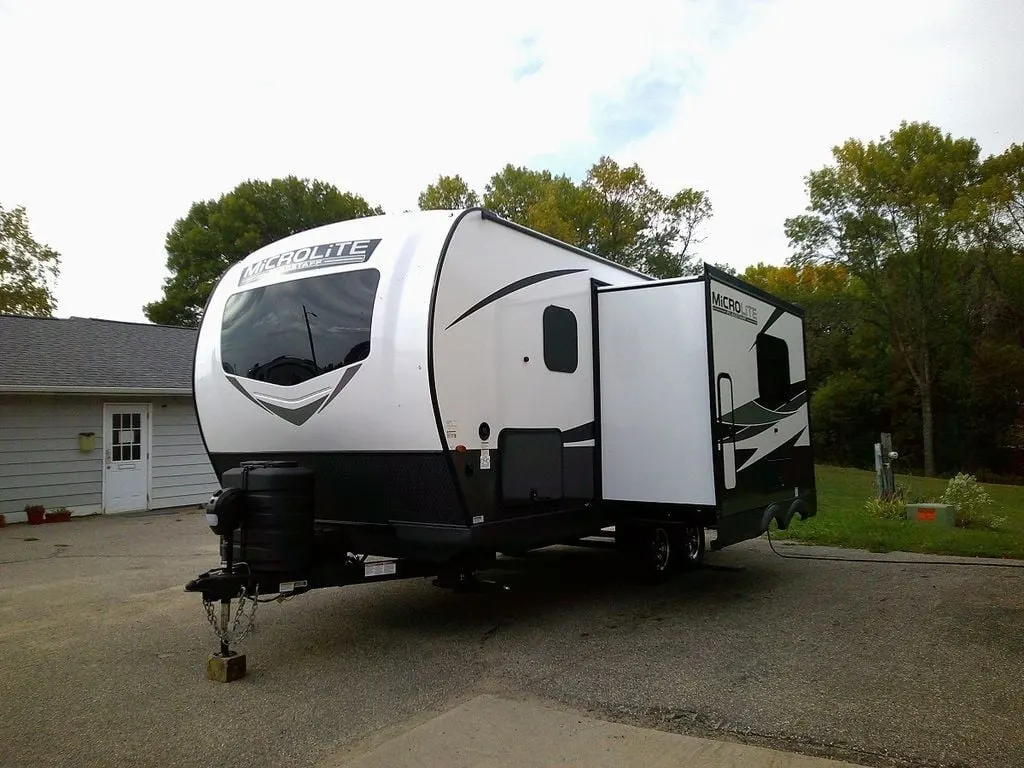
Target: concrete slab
494, 732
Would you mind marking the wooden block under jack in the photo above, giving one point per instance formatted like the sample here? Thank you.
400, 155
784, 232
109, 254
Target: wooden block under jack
225, 669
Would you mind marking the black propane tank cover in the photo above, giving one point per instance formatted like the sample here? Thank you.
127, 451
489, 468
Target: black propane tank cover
277, 533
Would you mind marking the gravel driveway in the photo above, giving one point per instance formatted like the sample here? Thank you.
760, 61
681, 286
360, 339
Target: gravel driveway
102, 653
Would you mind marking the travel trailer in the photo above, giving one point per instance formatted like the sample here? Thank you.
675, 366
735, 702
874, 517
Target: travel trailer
414, 394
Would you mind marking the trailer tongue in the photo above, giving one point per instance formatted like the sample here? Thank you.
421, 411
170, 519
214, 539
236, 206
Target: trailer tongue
271, 545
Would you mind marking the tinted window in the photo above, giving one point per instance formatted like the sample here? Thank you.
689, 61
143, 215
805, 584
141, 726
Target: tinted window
772, 371
290, 332
561, 340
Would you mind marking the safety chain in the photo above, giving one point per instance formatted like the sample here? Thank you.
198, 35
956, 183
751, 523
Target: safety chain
233, 636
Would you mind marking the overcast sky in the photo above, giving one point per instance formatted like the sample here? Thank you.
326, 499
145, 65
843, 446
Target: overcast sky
117, 116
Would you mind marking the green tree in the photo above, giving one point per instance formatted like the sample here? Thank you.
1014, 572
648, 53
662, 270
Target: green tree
552, 205
218, 233
896, 214
448, 193
1000, 235
633, 223
614, 212
26, 267
994, 386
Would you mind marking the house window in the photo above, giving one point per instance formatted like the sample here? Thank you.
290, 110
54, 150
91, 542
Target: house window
773, 382
561, 340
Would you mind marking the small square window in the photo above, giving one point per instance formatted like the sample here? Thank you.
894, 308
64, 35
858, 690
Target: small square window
117, 420
117, 453
561, 340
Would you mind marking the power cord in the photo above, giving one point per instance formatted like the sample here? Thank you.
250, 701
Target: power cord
890, 562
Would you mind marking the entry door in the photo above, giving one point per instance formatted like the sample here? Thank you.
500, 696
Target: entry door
125, 458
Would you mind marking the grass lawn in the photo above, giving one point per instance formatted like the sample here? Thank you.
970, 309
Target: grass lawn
842, 520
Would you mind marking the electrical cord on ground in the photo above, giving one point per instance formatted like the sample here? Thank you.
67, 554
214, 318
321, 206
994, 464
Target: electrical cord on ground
890, 562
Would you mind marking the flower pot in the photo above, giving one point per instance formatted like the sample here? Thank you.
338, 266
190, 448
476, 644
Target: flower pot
36, 515
3, 521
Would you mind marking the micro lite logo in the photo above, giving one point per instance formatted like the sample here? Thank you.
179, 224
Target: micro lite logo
314, 257
727, 305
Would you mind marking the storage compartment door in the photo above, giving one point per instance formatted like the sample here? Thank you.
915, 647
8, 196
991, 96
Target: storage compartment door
530, 467
655, 394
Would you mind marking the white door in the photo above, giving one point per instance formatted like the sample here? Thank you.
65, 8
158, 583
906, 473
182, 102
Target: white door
125, 457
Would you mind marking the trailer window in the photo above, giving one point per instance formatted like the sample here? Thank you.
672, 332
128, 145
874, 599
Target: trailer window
561, 340
773, 382
290, 332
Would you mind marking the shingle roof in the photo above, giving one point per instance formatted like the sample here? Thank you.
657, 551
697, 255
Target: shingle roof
88, 353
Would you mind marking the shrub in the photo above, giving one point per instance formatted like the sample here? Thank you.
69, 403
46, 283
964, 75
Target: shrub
892, 508
972, 502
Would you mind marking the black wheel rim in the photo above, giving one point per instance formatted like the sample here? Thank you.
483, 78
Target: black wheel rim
691, 543
661, 546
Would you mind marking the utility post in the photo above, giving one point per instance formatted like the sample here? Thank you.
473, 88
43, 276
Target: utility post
885, 483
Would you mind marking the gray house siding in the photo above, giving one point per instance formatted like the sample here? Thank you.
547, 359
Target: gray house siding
40, 460
182, 473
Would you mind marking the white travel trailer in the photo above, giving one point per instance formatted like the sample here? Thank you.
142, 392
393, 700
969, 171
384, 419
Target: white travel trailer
438, 387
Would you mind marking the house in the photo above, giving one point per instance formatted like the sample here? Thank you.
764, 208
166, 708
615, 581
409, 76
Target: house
97, 416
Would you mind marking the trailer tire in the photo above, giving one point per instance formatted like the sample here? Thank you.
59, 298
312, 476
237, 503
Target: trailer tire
661, 551
655, 549
691, 545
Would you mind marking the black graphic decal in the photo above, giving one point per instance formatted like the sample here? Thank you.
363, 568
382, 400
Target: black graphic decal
578, 434
512, 288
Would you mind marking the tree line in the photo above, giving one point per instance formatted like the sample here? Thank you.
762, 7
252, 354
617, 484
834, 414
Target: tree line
614, 211
908, 260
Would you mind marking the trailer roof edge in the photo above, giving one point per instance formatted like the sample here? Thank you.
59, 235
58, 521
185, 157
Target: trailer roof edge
742, 285
490, 215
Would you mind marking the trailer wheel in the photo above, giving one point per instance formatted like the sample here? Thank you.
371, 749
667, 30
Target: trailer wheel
691, 541
657, 552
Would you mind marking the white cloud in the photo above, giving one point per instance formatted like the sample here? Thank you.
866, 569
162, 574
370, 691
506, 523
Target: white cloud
119, 116
804, 76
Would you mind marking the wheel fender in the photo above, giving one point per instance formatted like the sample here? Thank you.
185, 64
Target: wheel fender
773, 510
798, 507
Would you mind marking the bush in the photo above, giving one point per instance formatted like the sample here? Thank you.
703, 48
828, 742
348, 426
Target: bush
892, 508
972, 502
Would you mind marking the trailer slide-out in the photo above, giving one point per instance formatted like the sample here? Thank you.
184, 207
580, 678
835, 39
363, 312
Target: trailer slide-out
412, 394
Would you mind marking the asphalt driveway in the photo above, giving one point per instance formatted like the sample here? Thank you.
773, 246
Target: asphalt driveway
102, 654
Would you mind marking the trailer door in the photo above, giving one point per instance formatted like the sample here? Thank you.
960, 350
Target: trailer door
654, 399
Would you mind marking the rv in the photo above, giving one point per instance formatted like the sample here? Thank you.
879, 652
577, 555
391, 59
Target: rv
415, 394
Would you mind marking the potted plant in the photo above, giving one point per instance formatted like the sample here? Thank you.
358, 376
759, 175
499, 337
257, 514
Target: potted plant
59, 515
36, 513
3, 521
